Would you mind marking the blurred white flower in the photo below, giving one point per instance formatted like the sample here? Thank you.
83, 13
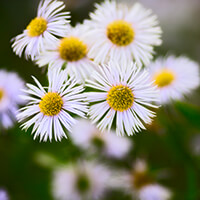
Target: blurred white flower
50, 22
140, 184
10, 89
154, 192
50, 108
71, 52
3, 195
127, 94
122, 33
133, 180
84, 180
87, 136
175, 77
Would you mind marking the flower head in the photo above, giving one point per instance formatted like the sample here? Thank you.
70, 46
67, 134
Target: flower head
127, 94
124, 34
49, 110
71, 52
4, 194
174, 77
10, 89
141, 184
86, 180
88, 137
50, 22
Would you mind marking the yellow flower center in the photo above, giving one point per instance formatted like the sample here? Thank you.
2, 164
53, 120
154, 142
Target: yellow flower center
141, 179
120, 32
120, 98
1, 94
164, 78
72, 49
36, 27
51, 104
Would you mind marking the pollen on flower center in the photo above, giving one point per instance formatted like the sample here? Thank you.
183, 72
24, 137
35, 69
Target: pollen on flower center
51, 104
1, 94
36, 27
120, 98
164, 78
120, 32
72, 49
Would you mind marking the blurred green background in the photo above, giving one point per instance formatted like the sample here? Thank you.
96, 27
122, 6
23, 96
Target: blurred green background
168, 145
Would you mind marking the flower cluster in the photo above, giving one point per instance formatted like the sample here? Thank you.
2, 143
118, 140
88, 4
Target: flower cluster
100, 69
103, 82
91, 180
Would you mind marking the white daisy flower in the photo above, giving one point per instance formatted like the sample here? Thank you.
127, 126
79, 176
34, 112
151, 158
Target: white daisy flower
174, 77
154, 192
87, 136
87, 180
126, 94
49, 109
3, 195
10, 89
122, 33
134, 179
50, 22
70, 51
140, 184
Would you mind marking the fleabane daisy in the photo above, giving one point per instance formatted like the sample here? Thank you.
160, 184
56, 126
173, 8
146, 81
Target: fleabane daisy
85, 180
140, 183
71, 52
49, 110
127, 94
175, 77
44, 28
10, 89
88, 137
121, 33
